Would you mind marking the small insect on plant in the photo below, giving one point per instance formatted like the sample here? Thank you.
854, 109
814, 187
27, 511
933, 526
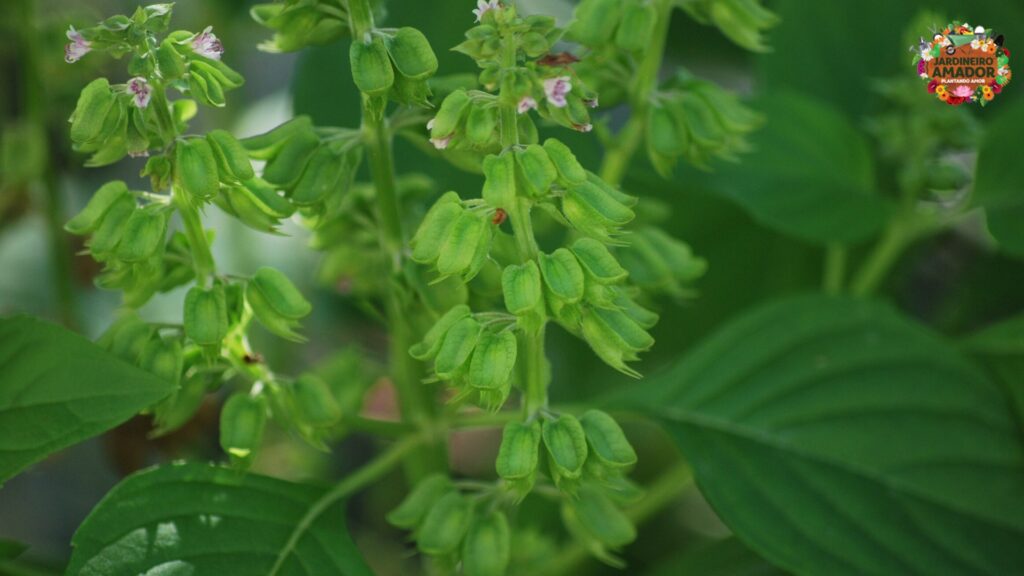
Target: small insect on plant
830, 434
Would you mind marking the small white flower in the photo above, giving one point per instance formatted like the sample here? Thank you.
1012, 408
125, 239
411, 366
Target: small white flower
207, 44
430, 124
485, 6
1003, 71
926, 55
924, 75
526, 104
556, 89
441, 143
975, 44
140, 90
142, 154
583, 127
78, 46
592, 102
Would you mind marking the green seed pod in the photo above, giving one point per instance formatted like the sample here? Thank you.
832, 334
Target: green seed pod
594, 21
169, 61
566, 444
450, 114
411, 92
180, 407
430, 237
94, 104
218, 71
206, 315
500, 180
602, 519
562, 275
644, 318
493, 361
632, 335
315, 402
112, 227
607, 441
280, 293
618, 195
517, 456
601, 204
236, 202
460, 246
480, 125
322, 176
488, 546
534, 44
417, 503
242, 420
195, 169
205, 88
480, 255
89, 219
267, 145
536, 170
266, 199
158, 168
445, 524
232, 159
144, 234
128, 337
456, 347
664, 136
520, 284
163, 358
637, 26
268, 315
371, 68
136, 139
700, 119
569, 169
411, 52
598, 261
606, 343
432, 340
289, 161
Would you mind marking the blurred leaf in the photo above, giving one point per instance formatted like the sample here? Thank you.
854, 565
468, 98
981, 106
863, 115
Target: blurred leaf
999, 178
834, 436
9, 549
203, 520
58, 389
1000, 349
728, 557
811, 174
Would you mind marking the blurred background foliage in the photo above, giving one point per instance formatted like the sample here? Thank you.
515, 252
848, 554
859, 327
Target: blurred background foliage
819, 79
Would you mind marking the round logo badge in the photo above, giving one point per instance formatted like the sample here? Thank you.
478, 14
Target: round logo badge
963, 64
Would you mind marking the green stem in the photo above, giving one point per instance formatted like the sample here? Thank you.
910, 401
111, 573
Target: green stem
618, 158
835, 268
665, 490
202, 258
415, 403
881, 259
531, 335
358, 480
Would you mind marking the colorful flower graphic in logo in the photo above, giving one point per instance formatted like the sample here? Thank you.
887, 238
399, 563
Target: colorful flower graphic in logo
963, 63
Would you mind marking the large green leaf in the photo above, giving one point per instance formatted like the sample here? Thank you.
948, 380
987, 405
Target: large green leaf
1000, 349
728, 557
203, 520
999, 178
810, 175
57, 388
836, 437
9, 549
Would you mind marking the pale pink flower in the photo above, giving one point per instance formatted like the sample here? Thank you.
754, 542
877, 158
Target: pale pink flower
140, 91
207, 44
485, 6
441, 143
556, 89
526, 104
962, 91
78, 46
592, 102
